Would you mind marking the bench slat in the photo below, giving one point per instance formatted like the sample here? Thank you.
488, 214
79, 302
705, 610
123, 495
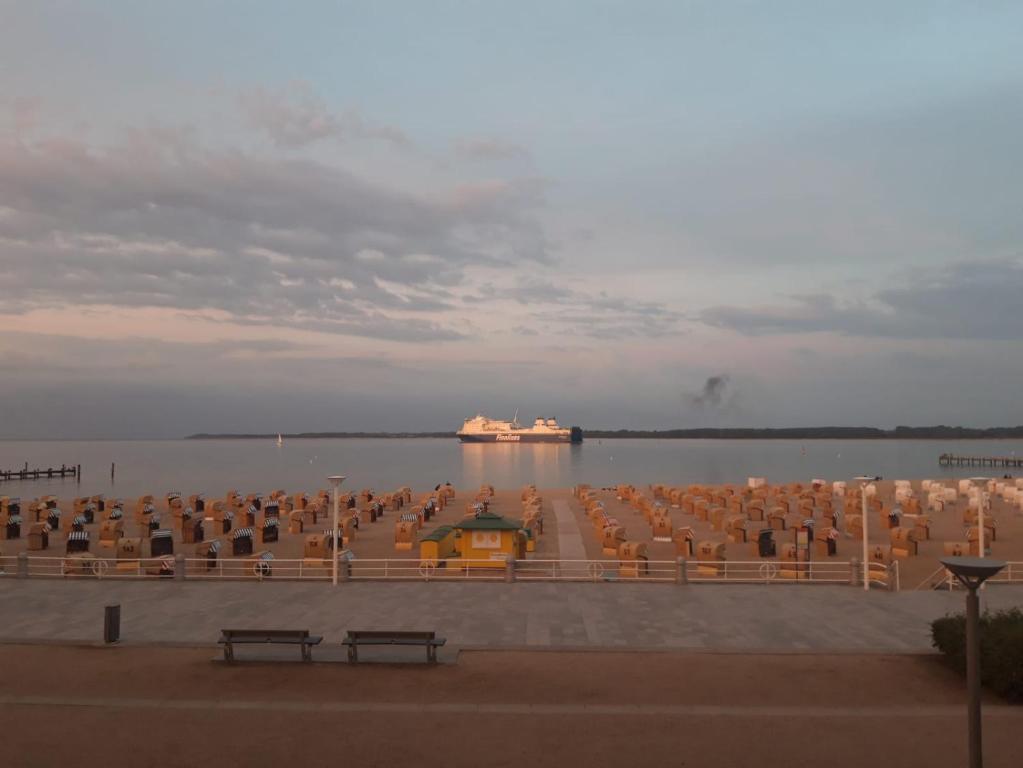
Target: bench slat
376, 633
393, 641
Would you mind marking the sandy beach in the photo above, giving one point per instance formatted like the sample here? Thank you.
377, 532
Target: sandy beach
375, 541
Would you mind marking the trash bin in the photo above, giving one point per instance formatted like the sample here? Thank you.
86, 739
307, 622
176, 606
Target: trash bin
111, 623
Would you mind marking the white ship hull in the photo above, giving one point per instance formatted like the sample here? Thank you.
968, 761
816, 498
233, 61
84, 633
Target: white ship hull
516, 437
483, 430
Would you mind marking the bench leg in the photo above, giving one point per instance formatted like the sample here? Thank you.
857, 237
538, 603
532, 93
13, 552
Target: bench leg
228, 653
353, 654
431, 654
307, 652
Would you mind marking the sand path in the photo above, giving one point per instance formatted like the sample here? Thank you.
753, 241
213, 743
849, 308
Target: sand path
173, 706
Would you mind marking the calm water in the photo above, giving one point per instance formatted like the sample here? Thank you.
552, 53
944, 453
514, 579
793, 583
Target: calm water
250, 466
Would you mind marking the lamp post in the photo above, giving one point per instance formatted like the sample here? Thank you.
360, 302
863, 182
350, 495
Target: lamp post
865, 480
980, 512
971, 573
335, 488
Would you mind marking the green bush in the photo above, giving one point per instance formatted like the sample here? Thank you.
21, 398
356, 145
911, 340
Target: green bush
1001, 649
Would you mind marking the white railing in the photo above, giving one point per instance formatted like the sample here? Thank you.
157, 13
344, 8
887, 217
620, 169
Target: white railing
95, 567
413, 569
776, 571
397, 569
942, 578
251, 568
595, 570
1012, 573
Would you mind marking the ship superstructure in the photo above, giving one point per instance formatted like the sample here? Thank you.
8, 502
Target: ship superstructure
482, 429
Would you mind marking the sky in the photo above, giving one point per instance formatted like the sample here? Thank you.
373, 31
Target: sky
268, 216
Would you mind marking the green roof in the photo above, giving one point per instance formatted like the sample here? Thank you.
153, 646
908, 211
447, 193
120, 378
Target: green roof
488, 522
437, 534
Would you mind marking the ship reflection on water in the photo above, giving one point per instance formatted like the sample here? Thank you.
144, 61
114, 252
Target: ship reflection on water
546, 463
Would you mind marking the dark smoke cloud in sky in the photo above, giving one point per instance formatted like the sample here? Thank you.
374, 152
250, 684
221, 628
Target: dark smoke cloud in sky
713, 393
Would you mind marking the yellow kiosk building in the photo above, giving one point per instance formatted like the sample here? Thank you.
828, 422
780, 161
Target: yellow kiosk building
488, 540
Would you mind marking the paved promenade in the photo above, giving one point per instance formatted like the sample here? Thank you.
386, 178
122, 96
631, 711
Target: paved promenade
495, 615
570, 538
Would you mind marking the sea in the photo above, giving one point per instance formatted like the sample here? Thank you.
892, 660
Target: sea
133, 467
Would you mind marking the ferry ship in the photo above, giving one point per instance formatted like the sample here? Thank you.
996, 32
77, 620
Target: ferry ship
481, 429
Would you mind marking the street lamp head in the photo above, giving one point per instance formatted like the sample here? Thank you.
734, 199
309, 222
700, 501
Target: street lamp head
973, 571
336, 480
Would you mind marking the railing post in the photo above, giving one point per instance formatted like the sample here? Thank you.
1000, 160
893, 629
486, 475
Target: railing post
893, 576
179, 567
681, 577
509, 569
22, 565
343, 567
854, 572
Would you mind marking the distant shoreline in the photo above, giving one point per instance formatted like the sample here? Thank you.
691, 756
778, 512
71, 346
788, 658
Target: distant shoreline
791, 433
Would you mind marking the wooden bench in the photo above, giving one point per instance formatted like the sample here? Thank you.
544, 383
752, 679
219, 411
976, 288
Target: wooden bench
231, 637
356, 638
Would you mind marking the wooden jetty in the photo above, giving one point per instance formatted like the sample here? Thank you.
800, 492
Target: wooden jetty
75, 470
954, 460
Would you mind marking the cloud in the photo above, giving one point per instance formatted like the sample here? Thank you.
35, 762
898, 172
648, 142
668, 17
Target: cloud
162, 220
481, 149
713, 392
556, 307
958, 301
296, 117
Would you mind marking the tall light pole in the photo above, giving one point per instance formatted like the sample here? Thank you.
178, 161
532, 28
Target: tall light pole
980, 512
335, 488
971, 573
865, 480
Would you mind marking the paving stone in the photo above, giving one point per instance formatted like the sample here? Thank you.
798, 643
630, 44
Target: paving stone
726, 617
